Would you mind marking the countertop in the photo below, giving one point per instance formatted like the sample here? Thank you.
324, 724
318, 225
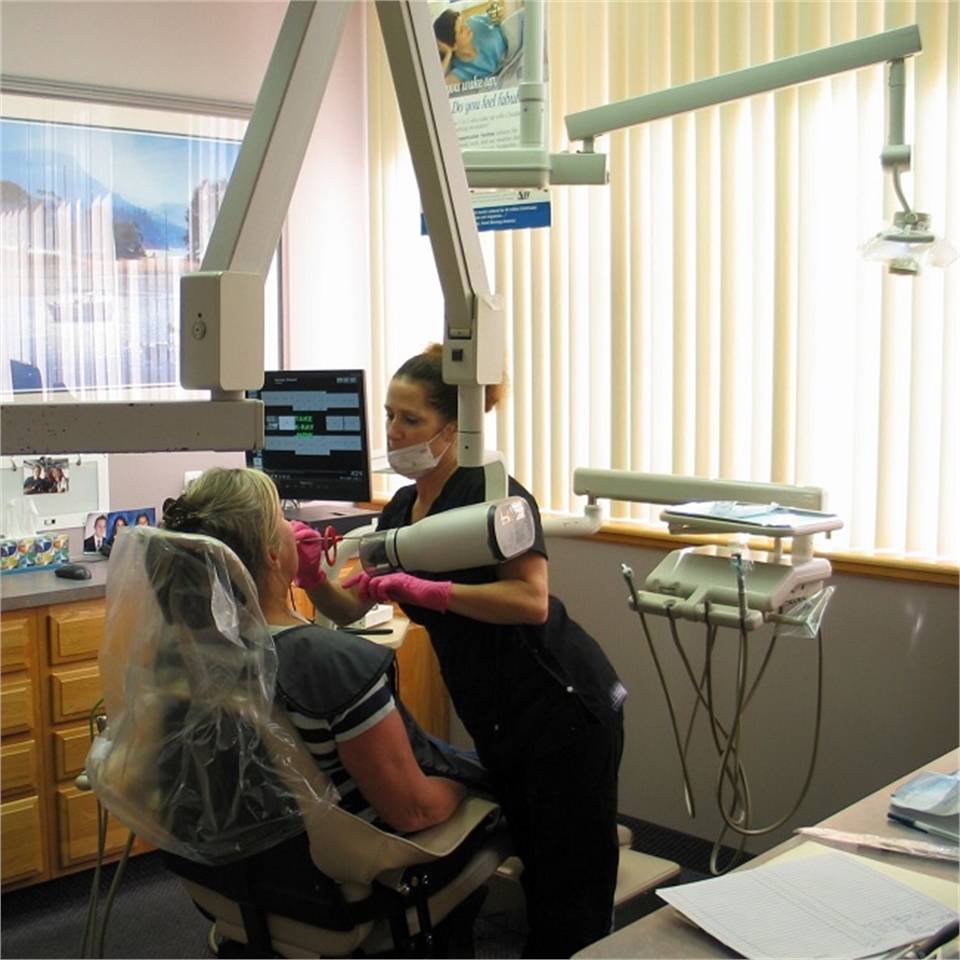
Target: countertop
40, 588
662, 934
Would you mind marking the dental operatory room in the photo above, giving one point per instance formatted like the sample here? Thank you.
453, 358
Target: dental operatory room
479, 478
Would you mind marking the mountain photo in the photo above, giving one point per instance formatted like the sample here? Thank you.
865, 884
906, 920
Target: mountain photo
150, 179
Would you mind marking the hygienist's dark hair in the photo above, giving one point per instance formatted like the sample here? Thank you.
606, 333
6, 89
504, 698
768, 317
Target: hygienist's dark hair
427, 369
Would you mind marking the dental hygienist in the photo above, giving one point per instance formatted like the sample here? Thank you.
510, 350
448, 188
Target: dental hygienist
536, 693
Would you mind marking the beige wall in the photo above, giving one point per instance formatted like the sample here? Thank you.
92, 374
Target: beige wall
209, 50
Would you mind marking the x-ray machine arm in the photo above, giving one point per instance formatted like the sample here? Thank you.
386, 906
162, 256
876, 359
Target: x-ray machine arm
222, 338
222, 304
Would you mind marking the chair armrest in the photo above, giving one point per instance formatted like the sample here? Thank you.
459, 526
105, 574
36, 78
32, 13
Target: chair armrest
349, 849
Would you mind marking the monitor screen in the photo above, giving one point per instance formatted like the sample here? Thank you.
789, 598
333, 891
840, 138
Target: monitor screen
315, 443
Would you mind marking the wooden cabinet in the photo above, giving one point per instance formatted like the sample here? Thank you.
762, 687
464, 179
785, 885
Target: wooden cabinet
50, 692
24, 852
421, 687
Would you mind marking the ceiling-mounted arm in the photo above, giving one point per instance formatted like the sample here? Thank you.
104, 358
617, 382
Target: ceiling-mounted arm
909, 242
526, 167
248, 225
434, 149
221, 306
786, 72
473, 322
896, 154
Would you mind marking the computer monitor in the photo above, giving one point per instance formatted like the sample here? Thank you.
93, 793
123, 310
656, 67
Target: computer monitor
315, 443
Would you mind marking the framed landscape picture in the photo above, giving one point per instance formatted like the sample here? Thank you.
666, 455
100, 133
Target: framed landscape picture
102, 210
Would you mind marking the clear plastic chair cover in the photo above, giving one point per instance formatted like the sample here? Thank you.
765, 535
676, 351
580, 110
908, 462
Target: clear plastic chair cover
195, 757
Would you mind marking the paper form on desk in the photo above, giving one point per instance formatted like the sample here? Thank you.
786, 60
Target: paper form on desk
826, 904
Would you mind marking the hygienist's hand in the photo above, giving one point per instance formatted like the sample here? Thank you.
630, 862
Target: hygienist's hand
402, 588
309, 549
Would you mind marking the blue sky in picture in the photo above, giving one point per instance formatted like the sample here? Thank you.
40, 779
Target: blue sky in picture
148, 173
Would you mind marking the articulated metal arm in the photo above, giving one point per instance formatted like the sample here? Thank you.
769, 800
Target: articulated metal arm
473, 325
222, 304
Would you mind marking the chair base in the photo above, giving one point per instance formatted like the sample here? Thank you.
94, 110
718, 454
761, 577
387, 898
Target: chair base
452, 937
260, 916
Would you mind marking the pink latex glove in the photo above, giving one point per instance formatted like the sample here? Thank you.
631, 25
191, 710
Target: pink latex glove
402, 588
309, 549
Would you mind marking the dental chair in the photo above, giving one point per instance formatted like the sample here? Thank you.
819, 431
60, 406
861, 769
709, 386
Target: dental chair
197, 759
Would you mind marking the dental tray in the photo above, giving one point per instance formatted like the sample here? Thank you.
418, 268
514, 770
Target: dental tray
736, 516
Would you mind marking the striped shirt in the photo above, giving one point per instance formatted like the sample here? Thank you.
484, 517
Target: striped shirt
321, 731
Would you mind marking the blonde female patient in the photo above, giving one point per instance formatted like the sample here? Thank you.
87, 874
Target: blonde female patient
335, 686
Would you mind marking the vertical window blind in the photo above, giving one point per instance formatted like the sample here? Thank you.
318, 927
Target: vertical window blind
708, 313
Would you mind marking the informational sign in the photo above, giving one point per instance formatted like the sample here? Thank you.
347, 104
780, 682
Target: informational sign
481, 48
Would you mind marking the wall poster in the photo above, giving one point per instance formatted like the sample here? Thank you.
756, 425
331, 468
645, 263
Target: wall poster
481, 48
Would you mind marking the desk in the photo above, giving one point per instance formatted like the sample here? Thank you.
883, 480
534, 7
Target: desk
663, 934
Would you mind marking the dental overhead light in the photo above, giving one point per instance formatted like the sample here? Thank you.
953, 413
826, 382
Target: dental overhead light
909, 243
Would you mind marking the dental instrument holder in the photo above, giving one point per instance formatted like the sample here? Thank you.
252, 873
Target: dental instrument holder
708, 584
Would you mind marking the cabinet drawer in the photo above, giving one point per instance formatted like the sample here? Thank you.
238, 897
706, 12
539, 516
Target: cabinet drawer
19, 767
17, 641
21, 840
77, 818
75, 631
70, 748
74, 693
17, 714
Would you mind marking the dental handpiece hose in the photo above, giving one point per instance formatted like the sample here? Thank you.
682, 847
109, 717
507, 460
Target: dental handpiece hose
741, 587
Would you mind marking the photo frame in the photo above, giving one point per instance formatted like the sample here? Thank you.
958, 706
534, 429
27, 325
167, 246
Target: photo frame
101, 529
87, 489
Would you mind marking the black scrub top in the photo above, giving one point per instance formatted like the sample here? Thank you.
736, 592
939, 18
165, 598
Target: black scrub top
521, 690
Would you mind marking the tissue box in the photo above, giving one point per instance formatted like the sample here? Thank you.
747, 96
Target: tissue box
42, 551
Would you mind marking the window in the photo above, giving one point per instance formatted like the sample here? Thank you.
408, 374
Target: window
104, 207
708, 313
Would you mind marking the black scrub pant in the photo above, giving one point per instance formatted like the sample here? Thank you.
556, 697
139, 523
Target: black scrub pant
561, 811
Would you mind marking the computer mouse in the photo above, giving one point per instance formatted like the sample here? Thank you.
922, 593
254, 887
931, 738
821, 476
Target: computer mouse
73, 571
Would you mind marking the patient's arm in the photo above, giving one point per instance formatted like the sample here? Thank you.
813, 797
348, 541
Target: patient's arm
382, 764
339, 605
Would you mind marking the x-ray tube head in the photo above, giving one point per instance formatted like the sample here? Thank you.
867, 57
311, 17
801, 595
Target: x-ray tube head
471, 536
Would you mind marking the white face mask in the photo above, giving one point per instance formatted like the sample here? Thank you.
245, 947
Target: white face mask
415, 461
